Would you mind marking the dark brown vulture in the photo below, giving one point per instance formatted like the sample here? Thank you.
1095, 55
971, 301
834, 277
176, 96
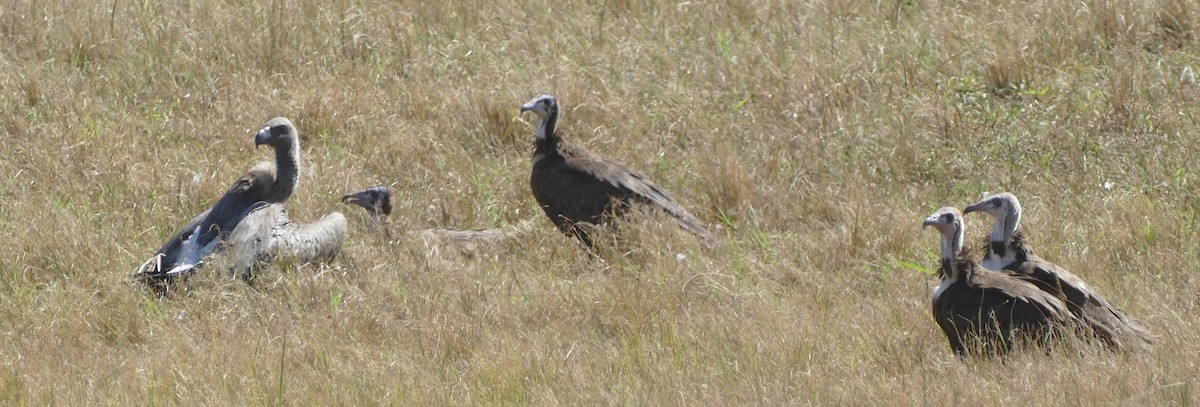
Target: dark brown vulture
377, 200
1008, 250
576, 187
250, 218
983, 312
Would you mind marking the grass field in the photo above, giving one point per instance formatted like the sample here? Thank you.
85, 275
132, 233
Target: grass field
815, 135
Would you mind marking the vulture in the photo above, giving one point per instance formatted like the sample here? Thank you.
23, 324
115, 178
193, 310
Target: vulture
576, 187
1008, 250
986, 312
377, 201
250, 219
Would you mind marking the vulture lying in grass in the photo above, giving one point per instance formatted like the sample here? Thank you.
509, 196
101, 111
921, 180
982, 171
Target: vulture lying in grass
250, 219
1007, 250
377, 201
982, 311
576, 187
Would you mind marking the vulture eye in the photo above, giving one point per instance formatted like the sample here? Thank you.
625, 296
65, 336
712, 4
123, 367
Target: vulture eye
279, 130
996, 203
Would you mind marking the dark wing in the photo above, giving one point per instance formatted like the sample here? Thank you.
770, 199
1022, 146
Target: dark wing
199, 234
633, 183
994, 307
953, 320
1036, 305
243, 197
1108, 322
170, 249
575, 195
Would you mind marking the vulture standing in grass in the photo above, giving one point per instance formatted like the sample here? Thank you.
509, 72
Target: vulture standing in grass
577, 187
985, 311
377, 200
1007, 250
251, 220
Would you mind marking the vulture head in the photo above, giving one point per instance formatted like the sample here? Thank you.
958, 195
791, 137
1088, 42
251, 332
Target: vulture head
546, 108
376, 200
542, 106
1005, 208
949, 223
278, 133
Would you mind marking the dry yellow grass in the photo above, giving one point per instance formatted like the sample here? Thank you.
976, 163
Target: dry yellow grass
818, 134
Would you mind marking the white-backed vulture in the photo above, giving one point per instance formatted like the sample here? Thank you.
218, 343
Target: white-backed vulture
251, 219
575, 186
986, 312
1007, 250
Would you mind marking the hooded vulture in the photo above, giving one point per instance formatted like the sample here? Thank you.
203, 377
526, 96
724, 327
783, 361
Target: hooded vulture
250, 219
986, 312
577, 187
1008, 250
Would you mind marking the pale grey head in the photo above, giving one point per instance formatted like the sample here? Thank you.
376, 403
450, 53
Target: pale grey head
1006, 209
949, 223
278, 133
546, 108
542, 106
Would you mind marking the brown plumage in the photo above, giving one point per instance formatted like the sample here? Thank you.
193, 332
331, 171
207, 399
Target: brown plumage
981, 311
1007, 250
575, 186
377, 201
250, 219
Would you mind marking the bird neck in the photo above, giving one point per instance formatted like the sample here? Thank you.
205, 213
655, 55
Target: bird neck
949, 269
287, 171
1001, 238
951, 246
545, 136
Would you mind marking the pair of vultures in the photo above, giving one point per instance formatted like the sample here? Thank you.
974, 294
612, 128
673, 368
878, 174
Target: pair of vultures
576, 189
1015, 296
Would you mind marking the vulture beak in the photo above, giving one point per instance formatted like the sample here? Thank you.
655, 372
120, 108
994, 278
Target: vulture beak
357, 198
262, 136
935, 220
376, 200
979, 207
533, 106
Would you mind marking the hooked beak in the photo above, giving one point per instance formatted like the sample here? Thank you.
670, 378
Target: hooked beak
936, 222
357, 198
531, 107
974, 208
261, 137
376, 200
